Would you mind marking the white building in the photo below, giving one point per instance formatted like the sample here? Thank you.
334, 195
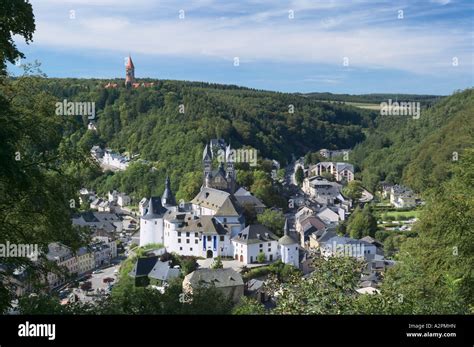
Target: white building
114, 160
151, 223
341, 171
402, 197
289, 249
322, 191
252, 241
346, 246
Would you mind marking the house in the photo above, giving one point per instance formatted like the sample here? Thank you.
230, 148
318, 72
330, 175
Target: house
329, 154
402, 197
227, 281
307, 226
339, 170
64, 258
329, 216
151, 268
317, 238
85, 260
252, 241
105, 221
304, 212
103, 249
120, 199
115, 160
244, 197
322, 191
346, 246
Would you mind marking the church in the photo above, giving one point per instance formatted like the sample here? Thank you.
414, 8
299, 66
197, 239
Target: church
213, 223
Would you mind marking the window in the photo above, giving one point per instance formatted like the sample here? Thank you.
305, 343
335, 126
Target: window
187, 234
269, 250
269, 244
156, 222
180, 248
191, 249
196, 234
209, 238
187, 240
221, 238
225, 220
179, 233
261, 245
179, 240
196, 241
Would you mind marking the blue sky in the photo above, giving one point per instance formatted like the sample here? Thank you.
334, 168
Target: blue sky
290, 46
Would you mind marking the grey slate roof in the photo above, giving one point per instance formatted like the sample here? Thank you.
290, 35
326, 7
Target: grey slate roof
143, 266
217, 277
220, 201
255, 233
162, 271
287, 239
154, 208
167, 194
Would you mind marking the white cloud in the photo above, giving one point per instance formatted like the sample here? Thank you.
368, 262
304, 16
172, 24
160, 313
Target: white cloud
256, 36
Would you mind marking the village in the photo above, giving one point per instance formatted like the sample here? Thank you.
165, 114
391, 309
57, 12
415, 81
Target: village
211, 231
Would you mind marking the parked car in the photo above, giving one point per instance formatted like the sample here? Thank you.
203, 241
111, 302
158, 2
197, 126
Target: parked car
108, 280
97, 272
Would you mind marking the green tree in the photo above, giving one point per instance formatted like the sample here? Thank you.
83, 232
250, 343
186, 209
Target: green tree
274, 220
261, 257
362, 223
353, 190
17, 19
248, 306
217, 264
299, 175
329, 289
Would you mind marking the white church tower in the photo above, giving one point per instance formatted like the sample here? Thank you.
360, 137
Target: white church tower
151, 223
289, 248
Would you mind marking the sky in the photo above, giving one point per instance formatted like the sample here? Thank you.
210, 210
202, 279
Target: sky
338, 46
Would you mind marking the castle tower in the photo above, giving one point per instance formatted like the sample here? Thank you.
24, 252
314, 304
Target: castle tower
289, 249
167, 199
129, 72
151, 224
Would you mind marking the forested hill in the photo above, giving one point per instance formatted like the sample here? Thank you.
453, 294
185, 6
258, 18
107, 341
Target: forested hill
148, 121
418, 152
376, 98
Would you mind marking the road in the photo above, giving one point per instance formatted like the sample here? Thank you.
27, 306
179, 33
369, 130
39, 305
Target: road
98, 285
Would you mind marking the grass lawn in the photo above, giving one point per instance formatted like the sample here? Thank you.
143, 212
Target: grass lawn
406, 214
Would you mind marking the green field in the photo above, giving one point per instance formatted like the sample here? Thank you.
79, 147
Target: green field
367, 106
406, 214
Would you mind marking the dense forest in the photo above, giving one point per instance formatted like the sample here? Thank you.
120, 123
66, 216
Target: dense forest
417, 152
375, 98
169, 124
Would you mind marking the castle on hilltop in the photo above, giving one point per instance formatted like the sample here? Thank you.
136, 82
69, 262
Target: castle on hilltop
129, 78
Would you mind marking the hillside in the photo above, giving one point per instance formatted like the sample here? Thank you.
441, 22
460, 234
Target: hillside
417, 152
148, 122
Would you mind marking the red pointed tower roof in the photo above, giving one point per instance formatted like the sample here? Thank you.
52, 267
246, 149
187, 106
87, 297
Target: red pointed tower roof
130, 62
